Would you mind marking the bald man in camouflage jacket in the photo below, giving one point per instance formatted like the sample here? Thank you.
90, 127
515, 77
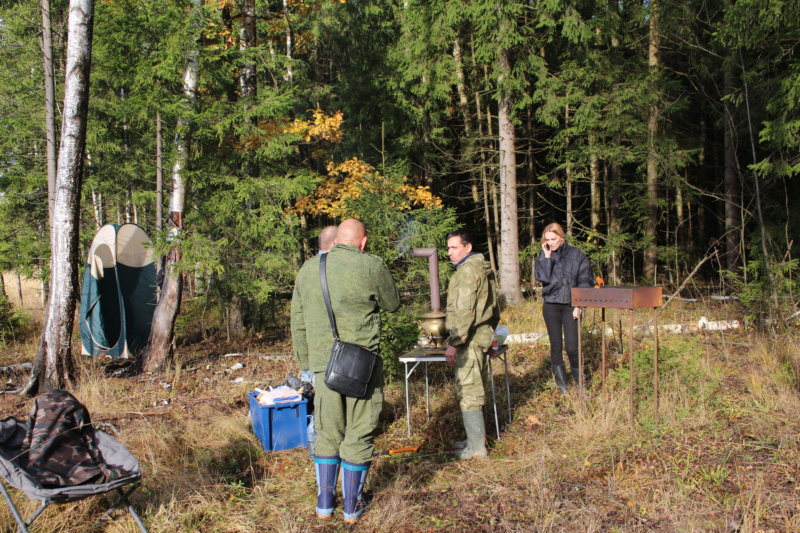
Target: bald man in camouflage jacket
471, 317
360, 286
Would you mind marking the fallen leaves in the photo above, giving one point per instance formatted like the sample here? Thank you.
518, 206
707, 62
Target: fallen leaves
534, 423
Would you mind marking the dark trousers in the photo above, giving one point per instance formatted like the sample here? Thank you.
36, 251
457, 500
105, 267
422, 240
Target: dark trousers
558, 317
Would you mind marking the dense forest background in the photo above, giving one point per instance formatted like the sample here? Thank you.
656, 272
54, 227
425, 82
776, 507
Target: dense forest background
659, 134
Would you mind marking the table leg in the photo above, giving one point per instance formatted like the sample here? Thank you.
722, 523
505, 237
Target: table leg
427, 394
494, 399
508, 387
408, 409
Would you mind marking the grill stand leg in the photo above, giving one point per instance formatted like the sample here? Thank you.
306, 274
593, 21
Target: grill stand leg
630, 399
603, 343
580, 362
655, 363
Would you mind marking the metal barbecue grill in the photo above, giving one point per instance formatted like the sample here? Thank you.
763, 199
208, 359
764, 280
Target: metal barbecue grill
620, 297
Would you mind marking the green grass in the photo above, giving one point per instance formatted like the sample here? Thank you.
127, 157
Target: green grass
724, 451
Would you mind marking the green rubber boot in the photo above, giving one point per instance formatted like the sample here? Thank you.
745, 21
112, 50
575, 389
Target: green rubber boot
476, 436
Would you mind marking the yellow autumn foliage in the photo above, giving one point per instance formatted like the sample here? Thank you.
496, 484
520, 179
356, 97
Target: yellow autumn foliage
320, 128
349, 180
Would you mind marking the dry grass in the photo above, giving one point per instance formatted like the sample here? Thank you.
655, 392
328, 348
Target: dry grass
723, 457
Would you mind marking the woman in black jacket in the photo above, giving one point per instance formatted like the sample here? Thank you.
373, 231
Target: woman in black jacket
559, 268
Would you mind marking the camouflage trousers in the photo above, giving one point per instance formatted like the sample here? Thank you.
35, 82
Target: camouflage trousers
470, 376
347, 426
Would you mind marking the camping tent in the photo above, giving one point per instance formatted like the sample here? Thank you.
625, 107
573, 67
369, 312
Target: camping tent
119, 292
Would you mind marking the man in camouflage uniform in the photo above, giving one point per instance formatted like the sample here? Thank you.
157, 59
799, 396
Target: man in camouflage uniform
472, 314
360, 286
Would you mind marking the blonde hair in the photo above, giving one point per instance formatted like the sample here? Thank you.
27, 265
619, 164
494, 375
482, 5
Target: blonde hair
553, 227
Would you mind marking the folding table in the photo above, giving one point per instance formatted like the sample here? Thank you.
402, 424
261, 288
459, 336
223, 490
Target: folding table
434, 355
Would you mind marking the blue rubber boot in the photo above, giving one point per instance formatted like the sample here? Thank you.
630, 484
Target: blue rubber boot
327, 469
353, 477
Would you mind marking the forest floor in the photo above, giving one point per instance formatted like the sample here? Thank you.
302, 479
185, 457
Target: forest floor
724, 455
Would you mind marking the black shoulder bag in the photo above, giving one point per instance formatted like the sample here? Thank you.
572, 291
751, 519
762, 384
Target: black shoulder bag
350, 367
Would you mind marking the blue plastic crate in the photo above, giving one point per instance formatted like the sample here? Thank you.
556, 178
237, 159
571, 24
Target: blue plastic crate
281, 426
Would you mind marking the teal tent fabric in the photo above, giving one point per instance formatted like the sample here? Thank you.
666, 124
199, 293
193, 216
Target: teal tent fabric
118, 297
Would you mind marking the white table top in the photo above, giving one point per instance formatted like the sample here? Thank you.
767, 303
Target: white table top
424, 355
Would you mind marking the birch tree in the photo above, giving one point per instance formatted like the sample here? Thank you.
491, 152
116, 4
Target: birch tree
158, 352
49, 104
53, 365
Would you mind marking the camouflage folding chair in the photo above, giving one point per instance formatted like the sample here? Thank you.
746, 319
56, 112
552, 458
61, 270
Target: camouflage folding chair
12, 434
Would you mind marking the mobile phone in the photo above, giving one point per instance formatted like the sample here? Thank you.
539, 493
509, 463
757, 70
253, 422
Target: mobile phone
547, 247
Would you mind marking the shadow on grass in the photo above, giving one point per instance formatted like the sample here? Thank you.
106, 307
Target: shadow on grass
528, 376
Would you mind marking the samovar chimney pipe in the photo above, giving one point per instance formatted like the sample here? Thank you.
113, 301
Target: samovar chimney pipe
433, 265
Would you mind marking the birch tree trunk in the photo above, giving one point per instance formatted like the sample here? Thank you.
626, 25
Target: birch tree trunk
97, 200
289, 74
49, 105
158, 353
53, 365
509, 238
159, 177
651, 220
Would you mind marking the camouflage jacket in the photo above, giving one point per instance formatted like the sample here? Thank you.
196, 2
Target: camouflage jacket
359, 285
471, 301
59, 448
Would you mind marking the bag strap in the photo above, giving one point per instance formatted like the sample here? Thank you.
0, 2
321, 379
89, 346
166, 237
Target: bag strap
324, 280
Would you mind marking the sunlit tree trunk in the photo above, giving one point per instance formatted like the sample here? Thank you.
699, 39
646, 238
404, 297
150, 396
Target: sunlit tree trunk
49, 105
158, 353
486, 212
97, 200
594, 173
159, 177
651, 220
289, 74
531, 191
462, 92
19, 289
53, 365
509, 238
483, 164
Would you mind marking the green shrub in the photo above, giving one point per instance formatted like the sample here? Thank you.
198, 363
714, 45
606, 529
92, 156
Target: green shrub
11, 321
678, 359
400, 334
